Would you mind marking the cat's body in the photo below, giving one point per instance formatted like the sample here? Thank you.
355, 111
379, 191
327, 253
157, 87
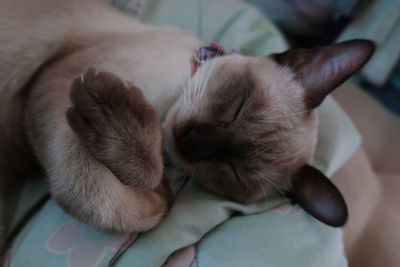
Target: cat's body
99, 139
43, 51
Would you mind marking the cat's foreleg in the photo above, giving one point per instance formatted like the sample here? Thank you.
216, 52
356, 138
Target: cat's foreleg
83, 164
88, 190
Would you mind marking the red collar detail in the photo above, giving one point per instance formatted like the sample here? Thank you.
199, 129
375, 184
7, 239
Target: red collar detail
205, 53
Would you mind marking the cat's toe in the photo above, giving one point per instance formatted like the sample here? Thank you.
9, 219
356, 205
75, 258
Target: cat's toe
103, 99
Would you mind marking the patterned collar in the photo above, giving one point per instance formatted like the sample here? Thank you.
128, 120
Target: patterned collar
208, 52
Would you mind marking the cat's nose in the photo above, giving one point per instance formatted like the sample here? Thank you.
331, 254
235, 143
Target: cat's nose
199, 142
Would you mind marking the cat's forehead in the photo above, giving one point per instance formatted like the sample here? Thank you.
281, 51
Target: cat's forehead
258, 84
261, 75
259, 71
226, 67
267, 73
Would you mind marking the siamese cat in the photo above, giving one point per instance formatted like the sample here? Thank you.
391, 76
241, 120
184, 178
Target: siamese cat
94, 97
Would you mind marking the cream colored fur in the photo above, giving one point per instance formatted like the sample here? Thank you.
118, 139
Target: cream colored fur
61, 40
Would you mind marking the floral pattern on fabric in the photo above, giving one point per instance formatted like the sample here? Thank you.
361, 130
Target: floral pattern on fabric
284, 209
85, 245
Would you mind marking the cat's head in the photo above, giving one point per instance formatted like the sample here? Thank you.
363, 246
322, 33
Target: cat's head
246, 128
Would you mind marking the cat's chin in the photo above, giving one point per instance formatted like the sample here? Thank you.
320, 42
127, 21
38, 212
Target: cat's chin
218, 178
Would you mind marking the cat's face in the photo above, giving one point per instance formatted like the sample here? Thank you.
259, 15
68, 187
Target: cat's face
245, 128
245, 131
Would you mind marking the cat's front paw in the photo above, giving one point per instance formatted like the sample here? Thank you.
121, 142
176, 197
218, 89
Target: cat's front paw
115, 122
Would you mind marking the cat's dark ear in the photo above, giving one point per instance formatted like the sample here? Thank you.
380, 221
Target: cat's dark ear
322, 69
318, 196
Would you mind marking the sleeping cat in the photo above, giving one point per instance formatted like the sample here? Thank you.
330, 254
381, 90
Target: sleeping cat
84, 90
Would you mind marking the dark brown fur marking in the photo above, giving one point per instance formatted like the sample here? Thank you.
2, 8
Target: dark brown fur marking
117, 124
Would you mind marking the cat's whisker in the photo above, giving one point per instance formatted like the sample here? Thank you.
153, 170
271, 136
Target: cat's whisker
287, 181
210, 72
205, 74
276, 173
201, 74
264, 193
219, 52
201, 88
190, 95
184, 89
187, 91
198, 78
269, 119
191, 92
201, 78
265, 178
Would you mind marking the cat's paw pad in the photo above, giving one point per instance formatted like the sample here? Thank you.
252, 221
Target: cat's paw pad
114, 120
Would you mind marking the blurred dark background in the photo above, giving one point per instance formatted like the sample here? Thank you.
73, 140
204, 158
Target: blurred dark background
307, 23
311, 22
